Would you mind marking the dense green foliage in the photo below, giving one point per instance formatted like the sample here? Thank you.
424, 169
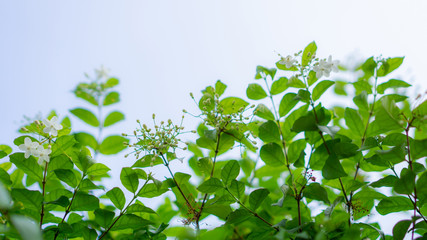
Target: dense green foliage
317, 174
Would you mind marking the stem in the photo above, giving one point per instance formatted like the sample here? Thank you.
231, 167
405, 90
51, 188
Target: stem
254, 213
43, 193
199, 213
410, 166
69, 205
371, 112
412, 201
176, 183
122, 212
101, 124
277, 118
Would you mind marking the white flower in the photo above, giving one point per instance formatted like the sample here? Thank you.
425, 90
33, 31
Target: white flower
288, 61
324, 67
52, 126
29, 147
43, 154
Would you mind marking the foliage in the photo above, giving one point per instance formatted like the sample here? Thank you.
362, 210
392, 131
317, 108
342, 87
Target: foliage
311, 177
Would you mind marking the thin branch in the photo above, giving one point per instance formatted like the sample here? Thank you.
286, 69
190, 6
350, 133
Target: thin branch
43, 193
199, 213
122, 212
254, 213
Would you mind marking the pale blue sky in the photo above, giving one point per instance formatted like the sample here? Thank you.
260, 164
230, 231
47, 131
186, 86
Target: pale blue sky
162, 50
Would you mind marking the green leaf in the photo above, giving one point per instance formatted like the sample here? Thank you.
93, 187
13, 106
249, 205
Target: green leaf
264, 112
389, 66
103, 217
86, 116
406, 183
418, 148
354, 121
262, 72
5, 199
305, 123
62, 201
84, 202
4, 150
269, 132
238, 216
317, 192
387, 181
237, 188
295, 150
320, 88
257, 197
146, 161
111, 98
279, 86
333, 169
394, 204
30, 199
422, 187
26, 227
220, 87
87, 184
63, 145
86, 139
67, 176
182, 178
309, 53
230, 172
111, 82
400, 229
211, 185
4, 177
272, 154
205, 142
255, 92
130, 221
368, 67
361, 101
287, 103
28, 166
295, 82
139, 208
232, 105
97, 169
304, 95
151, 190
113, 118
83, 161
392, 83
117, 197
85, 96
113, 144
129, 179
60, 162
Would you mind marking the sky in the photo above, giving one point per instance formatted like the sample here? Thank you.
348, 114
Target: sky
162, 50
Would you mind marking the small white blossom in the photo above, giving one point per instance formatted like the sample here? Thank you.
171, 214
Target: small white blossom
29, 147
43, 154
52, 126
288, 61
324, 67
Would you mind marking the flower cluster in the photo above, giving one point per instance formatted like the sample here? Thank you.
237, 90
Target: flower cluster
52, 126
216, 117
36, 150
288, 61
324, 67
158, 141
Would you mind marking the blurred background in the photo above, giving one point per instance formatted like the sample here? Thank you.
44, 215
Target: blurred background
163, 50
